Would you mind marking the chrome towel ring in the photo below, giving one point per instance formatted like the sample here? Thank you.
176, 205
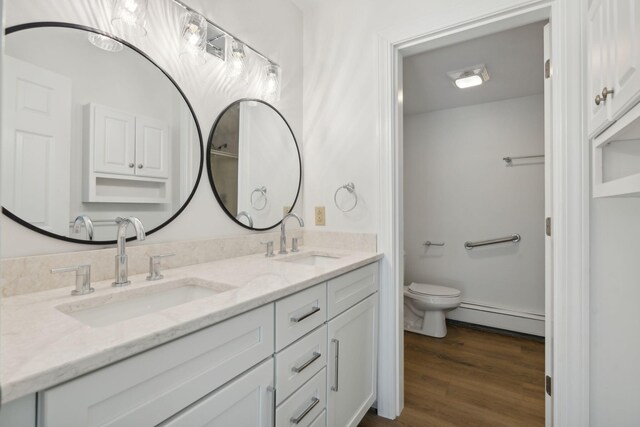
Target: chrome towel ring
351, 188
262, 190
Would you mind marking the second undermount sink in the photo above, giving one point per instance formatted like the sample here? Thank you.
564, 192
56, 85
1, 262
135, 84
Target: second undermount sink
312, 258
109, 309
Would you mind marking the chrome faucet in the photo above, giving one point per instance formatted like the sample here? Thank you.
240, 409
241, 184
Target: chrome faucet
86, 221
122, 263
283, 235
247, 215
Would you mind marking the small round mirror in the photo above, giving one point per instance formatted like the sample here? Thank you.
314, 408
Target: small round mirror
254, 164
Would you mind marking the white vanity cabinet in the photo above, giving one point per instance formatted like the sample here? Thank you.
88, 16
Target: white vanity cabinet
613, 51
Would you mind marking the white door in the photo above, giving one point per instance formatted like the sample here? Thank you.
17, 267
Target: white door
245, 402
152, 148
625, 49
352, 363
548, 247
113, 140
36, 145
598, 60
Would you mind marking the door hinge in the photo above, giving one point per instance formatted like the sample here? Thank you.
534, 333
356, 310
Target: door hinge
547, 69
548, 226
548, 384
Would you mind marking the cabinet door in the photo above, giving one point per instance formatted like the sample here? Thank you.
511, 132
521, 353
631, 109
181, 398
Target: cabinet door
352, 363
598, 48
625, 44
245, 402
113, 140
152, 148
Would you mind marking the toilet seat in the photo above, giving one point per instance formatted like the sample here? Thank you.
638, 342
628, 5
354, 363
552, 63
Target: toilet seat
432, 290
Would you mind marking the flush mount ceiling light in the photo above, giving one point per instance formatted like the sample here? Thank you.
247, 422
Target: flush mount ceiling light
131, 13
271, 83
469, 77
193, 38
104, 42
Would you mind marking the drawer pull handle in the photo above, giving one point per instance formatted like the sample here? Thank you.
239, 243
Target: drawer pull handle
313, 311
314, 402
334, 387
298, 369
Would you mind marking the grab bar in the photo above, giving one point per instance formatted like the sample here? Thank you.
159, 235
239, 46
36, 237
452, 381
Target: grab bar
515, 238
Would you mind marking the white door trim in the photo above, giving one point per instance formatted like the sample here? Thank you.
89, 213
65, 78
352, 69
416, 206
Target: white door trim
570, 211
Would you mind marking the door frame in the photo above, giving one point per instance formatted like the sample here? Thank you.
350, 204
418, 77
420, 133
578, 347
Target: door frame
570, 198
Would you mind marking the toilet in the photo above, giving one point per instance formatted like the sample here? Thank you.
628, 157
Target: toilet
425, 306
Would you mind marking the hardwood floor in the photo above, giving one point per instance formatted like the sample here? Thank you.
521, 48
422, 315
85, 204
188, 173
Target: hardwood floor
470, 378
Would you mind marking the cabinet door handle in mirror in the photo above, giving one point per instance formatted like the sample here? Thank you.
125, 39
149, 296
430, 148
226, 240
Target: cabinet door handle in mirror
131, 165
305, 365
314, 310
140, 166
606, 92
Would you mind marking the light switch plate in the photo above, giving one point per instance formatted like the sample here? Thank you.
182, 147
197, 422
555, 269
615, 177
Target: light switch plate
320, 215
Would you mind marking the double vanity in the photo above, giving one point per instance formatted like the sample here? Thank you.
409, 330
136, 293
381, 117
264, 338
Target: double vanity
288, 340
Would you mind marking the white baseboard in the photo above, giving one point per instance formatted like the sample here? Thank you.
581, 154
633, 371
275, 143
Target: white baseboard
501, 318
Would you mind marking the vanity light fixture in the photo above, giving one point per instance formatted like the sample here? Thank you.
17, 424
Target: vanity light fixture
193, 38
236, 67
104, 42
469, 77
271, 83
131, 13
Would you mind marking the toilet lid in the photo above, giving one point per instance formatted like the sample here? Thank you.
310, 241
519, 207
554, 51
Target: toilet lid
435, 290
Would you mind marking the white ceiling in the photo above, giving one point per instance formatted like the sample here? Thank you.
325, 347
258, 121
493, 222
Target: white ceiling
514, 60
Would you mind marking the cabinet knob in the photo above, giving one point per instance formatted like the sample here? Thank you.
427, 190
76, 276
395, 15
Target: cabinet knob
139, 165
598, 99
131, 165
606, 92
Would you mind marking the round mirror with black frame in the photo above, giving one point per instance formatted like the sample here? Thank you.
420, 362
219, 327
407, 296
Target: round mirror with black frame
254, 164
94, 130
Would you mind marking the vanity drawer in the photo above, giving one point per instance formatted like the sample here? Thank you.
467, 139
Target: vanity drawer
321, 421
347, 290
305, 405
152, 386
296, 364
299, 314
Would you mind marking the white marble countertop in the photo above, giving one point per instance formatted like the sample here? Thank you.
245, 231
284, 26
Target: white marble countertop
40, 346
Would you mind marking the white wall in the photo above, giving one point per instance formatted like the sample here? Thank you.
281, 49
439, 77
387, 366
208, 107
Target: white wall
615, 316
457, 188
274, 27
341, 142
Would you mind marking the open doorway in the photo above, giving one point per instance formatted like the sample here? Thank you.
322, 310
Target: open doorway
475, 168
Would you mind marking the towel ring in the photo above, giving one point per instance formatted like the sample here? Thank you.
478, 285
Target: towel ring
262, 190
351, 188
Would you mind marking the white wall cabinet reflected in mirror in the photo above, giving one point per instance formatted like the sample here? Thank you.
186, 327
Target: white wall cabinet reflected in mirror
92, 132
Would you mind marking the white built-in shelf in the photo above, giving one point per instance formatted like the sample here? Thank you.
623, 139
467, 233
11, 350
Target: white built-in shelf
224, 154
616, 158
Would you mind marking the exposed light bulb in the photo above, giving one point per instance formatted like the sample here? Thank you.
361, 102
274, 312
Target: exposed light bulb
468, 81
193, 40
236, 58
132, 13
271, 83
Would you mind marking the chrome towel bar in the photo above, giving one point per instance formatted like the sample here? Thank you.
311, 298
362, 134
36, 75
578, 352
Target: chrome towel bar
509, 159
515, 238
430, 243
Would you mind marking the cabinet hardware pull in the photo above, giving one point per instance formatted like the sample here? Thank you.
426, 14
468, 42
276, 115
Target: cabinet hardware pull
313, 311
314, 402
337, 343
139, 165
606, 92
272, 390
598, 99
131, 165
298, 369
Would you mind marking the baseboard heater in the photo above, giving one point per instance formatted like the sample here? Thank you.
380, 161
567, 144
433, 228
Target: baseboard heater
502, 311
499, 317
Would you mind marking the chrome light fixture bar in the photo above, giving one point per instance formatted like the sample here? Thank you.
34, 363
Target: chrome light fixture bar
216, 37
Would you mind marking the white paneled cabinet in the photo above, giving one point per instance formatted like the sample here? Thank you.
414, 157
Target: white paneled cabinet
613, 51
112, 139
352, 364
152, 148
232, 374
245, 402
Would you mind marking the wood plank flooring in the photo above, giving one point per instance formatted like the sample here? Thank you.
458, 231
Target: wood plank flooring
470, 378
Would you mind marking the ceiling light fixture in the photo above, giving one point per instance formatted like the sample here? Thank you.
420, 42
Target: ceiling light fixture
105, 42
131, 13
469, 77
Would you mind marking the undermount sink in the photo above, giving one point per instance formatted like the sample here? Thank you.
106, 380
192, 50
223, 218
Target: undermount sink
109, 309
312, 258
